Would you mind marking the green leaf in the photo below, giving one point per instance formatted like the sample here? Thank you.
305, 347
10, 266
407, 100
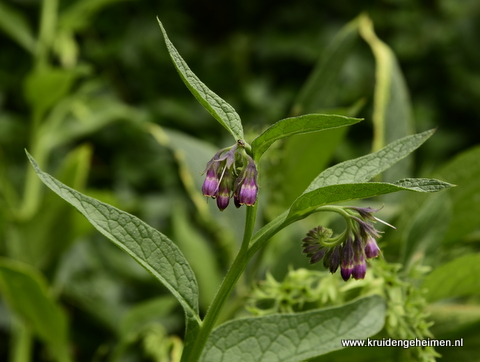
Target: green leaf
13, 23
297, 125
150, 248
26, 292
306, 155
309, 201
458, 278
52, 227
392, 115
366, 167
464, 171
295, 337
216, 106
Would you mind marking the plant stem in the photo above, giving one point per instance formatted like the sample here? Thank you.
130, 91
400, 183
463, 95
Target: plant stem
22, 343
226, 288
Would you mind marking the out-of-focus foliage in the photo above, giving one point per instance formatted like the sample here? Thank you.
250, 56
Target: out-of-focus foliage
79, 79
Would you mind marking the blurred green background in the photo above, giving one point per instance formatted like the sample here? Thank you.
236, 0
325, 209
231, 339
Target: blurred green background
77, 88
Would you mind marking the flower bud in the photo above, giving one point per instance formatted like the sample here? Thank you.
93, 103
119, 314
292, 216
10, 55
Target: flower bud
224, 190
247, 188
371, 248
360, 266
210, 185
334, 259
312, 243
347, 261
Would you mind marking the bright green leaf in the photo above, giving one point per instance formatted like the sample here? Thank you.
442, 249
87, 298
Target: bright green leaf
366, 167
306, 155
294, 337
458, 278
216, 106
150, 248
309, 201
14, 24
26, 292
297, 125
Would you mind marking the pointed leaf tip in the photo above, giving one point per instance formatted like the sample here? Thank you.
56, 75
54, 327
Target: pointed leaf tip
223, 112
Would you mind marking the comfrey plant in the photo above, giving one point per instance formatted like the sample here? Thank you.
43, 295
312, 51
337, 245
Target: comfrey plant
233, 172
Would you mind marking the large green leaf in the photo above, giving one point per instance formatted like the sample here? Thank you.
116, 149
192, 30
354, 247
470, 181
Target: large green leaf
309, 201
366, 167
26, 292
294, 337
297, 125
458, 278
150, 248
216, 106
392, 115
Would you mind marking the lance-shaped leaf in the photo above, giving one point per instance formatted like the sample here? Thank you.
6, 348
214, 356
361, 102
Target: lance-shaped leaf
26, 292
309, 201
216, 106
366, 167
150, 248
295, 337
297, 125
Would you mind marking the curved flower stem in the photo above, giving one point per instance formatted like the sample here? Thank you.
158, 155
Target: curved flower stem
226, 288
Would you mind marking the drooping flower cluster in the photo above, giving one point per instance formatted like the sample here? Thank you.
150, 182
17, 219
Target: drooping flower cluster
351, 249
231, 172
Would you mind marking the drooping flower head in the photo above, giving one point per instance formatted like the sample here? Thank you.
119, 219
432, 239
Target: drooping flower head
349, 250
231, 172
